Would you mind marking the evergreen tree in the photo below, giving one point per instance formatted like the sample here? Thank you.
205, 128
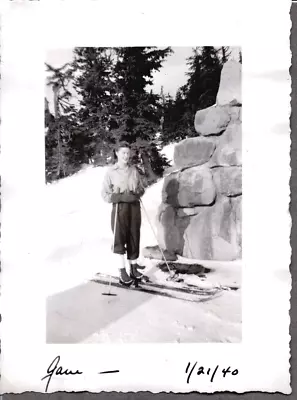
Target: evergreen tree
114, 102
225, 54
140, 110
162, 108
98, 92
59, 126
210, 75
173, 124
199, 92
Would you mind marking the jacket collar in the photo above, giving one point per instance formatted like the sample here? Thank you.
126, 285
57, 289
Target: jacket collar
116, 166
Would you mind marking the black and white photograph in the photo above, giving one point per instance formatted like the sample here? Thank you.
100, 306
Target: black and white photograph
143, 171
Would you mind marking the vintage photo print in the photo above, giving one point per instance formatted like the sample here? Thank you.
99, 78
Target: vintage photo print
145, 193
159, 163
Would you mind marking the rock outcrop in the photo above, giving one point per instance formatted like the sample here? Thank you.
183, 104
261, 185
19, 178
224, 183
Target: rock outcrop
230, 85
212, 121
193, 151
200, 214
189, 188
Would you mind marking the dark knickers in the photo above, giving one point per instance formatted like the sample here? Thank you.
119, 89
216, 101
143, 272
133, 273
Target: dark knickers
127, 235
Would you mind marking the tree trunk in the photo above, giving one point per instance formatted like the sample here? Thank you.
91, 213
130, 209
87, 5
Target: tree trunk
56, 108
224, 55
151, 177
46, 106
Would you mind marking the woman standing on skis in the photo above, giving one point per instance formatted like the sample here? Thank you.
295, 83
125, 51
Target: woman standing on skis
122, 186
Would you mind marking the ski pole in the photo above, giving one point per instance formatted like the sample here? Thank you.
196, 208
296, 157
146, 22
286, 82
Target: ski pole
114, 236
115, 225
147, 217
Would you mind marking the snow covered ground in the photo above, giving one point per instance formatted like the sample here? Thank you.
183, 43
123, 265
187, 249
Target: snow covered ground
79, 240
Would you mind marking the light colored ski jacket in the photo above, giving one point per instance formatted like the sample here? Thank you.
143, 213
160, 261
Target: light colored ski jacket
121, 180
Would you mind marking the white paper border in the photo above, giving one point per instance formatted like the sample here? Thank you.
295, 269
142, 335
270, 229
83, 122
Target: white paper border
263, 32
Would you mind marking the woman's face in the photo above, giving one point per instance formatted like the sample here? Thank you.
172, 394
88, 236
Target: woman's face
123, 155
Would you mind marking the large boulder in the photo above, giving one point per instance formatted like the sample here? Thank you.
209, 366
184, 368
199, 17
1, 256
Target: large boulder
193, 151
228, 150
228, 180
230, 85
171, 189
212, 120
212, 234
168, 235
189, 188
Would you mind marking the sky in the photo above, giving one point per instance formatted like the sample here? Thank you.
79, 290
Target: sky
171, 76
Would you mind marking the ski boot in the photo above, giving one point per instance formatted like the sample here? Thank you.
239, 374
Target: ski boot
137, 276
124, 278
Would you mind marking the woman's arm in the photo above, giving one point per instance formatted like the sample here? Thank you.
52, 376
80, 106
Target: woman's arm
140, 189
107, 188
110, 197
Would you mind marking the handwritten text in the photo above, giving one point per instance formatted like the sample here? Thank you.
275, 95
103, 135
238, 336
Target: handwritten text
55, 369
200, 370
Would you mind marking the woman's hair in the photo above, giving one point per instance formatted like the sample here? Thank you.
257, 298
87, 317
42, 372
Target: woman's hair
118, 146
121, 144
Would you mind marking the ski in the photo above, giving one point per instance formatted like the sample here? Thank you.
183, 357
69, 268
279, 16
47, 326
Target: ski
180, 293
189, 289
